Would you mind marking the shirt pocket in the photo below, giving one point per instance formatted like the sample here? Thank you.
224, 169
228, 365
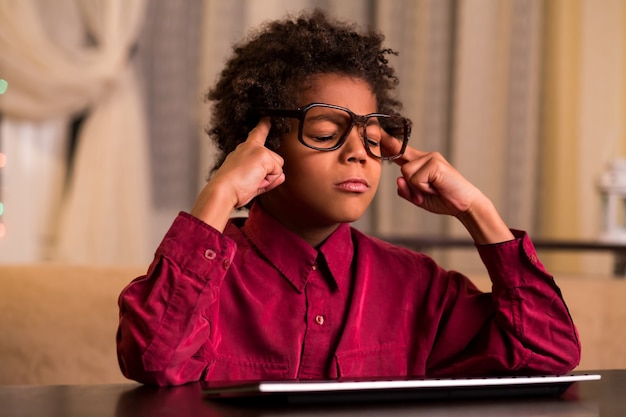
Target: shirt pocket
226, 368
385, 361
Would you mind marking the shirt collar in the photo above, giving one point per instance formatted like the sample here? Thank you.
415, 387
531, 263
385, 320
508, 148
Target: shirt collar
293, 256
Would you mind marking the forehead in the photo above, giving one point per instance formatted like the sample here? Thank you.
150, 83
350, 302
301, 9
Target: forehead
341, 90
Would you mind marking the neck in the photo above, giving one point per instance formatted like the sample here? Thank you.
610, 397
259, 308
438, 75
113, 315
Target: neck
313, 234
314, 237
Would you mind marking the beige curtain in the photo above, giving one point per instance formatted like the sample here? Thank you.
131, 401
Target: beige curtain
103, 214
525, 97
422, 32
584, 125
469, 79
496, 110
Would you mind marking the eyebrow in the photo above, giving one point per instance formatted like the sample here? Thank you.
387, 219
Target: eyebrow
330, 116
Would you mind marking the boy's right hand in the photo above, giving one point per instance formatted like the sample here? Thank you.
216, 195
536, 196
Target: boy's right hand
248, 171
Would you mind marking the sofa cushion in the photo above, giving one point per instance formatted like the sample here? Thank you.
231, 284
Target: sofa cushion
58, 323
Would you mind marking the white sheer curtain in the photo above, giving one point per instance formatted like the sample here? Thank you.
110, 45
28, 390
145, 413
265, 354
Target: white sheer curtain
104, 210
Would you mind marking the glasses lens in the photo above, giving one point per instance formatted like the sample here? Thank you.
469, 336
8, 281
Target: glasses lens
324, 127
380, 129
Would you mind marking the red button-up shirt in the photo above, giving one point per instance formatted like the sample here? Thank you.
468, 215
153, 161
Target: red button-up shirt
258, 302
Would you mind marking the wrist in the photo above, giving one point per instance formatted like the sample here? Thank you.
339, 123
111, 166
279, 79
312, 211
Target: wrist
214, 205
484, 224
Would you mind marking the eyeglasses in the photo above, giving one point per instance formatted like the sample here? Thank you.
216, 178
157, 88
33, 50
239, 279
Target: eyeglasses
326, 127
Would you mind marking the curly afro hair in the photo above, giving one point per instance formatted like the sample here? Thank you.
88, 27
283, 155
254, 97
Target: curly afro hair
274, 63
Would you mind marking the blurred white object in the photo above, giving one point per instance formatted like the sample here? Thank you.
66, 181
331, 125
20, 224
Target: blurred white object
31, 187
612, 187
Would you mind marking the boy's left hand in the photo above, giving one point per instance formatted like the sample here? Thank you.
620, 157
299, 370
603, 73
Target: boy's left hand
430, 182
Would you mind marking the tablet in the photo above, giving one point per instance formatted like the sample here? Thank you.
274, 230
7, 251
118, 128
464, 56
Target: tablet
298, 391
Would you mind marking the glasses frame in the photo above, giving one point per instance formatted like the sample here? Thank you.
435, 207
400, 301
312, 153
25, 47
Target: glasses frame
355, 119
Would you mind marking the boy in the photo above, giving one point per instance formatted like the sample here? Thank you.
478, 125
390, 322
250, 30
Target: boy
304, 119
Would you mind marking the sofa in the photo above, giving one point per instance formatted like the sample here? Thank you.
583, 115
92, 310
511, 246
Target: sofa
58, 322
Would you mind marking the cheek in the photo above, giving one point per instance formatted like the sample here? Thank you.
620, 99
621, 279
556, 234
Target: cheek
297, 168
302, 163
376, 171
303, 170
289, 148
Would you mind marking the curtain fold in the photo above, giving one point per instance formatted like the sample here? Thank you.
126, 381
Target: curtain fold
521, 96
421, 32
103, 215
584, 129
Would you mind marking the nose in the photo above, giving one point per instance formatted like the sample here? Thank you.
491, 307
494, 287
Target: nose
353, 150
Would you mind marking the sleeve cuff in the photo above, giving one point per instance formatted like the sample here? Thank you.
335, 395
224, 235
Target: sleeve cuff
506, 260
197, 248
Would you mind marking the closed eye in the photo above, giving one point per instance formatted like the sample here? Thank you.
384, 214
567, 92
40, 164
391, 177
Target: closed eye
324, 138
372, 143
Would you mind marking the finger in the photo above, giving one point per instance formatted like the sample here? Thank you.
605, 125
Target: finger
410, 154
272, 163
411, 188
421, 176
270, 182
404, 190
259, 133
390, 145
274, 174
280, 162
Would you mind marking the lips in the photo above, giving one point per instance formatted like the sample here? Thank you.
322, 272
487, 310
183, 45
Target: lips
354, 185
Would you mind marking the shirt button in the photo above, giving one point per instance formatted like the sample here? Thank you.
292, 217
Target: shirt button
319, 320
226, 263
210, 254
533, 259
314, 267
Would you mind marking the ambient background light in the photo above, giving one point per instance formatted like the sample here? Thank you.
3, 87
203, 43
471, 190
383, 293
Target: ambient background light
3, 161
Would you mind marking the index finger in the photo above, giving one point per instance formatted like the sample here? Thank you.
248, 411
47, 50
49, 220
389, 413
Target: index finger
410, 154
259, 133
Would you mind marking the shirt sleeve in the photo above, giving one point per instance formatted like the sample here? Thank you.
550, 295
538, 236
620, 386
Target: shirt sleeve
522, 326
164, 315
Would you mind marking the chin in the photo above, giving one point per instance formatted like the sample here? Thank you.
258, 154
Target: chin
349, 216
351, 211
335, 209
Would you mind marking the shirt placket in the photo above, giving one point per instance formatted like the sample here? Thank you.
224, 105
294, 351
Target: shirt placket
317, 344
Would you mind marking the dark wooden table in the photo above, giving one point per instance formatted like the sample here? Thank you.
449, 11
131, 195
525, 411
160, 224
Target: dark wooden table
604, 398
